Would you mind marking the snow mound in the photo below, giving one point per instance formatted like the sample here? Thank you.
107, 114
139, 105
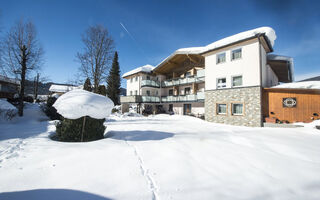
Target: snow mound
5, 105
145, 68
79, 103
7, 110
300, 85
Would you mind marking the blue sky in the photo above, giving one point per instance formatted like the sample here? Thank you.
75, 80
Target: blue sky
160, 27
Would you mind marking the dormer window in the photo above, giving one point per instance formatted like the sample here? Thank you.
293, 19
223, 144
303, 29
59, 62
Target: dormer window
236, 54
221, 57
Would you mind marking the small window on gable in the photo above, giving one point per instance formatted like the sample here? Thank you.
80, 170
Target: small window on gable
236, 54
221, 83
221, 57
236, 81
237, 109
221, 108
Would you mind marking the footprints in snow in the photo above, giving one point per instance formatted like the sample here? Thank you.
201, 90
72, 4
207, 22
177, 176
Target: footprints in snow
12, 151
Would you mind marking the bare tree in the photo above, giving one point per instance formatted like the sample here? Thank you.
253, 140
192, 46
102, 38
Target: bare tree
97, 55
22, 54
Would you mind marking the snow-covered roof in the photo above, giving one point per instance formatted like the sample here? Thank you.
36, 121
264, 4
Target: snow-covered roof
79, 103
300, 85
145, 68
267, 31
9, 80
61, 88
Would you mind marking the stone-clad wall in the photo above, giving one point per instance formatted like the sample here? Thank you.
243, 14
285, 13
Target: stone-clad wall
249, 96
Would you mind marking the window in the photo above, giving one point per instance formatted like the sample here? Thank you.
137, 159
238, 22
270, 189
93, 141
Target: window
148, 92
187, 74
136, 78
170, 92
236, 54
236, 81
156, 92
130, 93
221, 57
221, 83
136, 92
148, 77
237, 109
221, 109
187, 90
131, 80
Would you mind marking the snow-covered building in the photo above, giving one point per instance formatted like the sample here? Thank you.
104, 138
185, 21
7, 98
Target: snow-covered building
61, 88
223, 81
8, 87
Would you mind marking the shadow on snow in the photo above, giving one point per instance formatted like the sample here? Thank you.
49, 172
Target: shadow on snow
51, 194
138, 135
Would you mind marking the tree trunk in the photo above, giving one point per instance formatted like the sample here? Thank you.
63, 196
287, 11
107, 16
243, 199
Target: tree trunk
83, 126
23, 78
36, 86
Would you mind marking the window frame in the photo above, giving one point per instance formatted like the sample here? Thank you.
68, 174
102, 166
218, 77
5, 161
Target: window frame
243, 108
148, 92
217, 108
231, 53
136, 78
131, 93
232, 77
217, 81
217, 57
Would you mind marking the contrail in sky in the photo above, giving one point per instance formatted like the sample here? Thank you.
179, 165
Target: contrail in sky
131, 36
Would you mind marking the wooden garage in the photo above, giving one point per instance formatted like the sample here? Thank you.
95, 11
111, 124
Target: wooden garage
289, 105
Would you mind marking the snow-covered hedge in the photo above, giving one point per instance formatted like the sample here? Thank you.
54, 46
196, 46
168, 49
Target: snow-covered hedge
83, 114
7, 110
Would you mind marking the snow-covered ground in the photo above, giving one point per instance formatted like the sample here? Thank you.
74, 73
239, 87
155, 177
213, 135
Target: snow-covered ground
159, 157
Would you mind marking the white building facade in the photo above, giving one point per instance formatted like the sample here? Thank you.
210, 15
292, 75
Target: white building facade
222, 81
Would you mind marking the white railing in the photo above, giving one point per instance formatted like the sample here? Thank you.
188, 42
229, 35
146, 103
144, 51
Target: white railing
200, 95
188, 80
150, 83
151, 99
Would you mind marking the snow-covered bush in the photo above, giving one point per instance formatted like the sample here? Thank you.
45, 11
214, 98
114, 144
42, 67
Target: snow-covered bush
50, 111
83, 116
70, 130
7, 110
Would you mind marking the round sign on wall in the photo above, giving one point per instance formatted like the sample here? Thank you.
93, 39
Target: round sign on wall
289, 102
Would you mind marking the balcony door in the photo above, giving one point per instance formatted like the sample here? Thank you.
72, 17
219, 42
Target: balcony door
186, 109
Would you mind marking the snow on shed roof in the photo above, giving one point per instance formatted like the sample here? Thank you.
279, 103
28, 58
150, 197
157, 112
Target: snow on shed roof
79, 103
61, 88
145, 68
300, 85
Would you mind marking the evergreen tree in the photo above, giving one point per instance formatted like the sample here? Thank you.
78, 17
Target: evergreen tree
87, 85
102, 90
113, 81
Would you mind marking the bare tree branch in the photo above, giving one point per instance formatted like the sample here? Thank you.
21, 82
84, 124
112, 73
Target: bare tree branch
23, 53
96, 57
